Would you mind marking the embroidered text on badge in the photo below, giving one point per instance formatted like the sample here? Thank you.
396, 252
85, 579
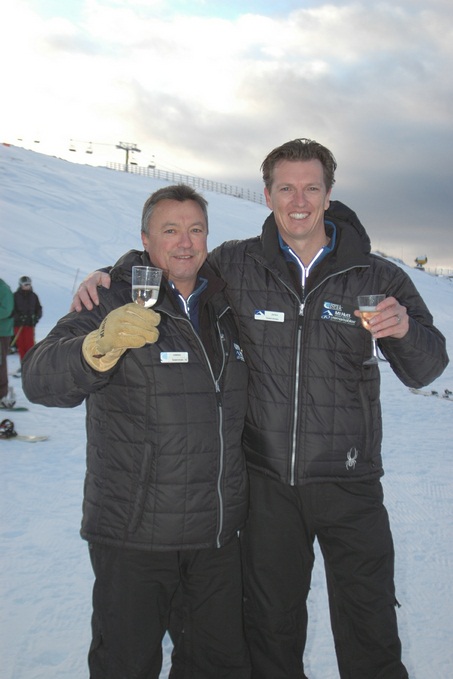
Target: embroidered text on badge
273, 316
174, 357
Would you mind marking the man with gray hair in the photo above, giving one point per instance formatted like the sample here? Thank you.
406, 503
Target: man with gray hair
166, 488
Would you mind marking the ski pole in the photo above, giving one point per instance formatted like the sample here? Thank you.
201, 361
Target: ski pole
16, 336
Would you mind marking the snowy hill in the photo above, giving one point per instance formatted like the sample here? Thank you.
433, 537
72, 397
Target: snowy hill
59, 221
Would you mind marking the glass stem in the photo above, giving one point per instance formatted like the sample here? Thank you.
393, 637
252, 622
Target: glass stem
374, 345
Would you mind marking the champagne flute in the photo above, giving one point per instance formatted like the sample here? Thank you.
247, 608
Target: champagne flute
367, 307
145, 285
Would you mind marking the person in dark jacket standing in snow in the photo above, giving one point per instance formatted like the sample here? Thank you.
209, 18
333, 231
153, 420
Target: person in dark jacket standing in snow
166, 485
27, 312
313, 431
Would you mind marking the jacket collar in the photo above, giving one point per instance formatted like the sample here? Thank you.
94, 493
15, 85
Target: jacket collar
352, 246
291, 256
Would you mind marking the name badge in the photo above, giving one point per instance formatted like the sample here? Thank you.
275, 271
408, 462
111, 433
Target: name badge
174, 357
272, 316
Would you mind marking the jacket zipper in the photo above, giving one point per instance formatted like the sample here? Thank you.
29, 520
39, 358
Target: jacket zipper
295, 419
296, 400
219, 408
222, 441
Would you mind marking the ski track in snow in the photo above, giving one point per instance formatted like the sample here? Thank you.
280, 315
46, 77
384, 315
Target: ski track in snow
46, 577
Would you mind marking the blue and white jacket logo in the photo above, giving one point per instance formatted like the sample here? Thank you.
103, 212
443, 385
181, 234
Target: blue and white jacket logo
338, 313
238, 352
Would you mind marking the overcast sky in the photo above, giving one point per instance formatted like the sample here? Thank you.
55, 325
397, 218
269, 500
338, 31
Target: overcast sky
209, 88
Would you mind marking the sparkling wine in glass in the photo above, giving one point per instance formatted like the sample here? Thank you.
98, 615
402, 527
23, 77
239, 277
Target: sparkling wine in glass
367, 307
145, 285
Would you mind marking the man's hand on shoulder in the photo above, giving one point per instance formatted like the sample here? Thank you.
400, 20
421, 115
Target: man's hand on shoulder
87, 294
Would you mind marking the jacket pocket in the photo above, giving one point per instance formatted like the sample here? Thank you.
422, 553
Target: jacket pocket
371, 431
140, 491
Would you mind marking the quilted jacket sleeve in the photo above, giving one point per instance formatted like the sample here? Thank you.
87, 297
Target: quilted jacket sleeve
421, 356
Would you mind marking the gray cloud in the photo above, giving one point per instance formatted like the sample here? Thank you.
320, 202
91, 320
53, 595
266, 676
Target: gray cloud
214, 95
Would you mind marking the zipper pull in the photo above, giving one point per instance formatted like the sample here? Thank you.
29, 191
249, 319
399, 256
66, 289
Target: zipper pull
224, 344
301, 308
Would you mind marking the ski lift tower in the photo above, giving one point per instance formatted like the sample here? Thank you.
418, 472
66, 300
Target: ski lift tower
126, 146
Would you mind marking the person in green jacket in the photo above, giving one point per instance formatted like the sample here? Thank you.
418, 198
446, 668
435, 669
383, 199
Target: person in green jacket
6, 331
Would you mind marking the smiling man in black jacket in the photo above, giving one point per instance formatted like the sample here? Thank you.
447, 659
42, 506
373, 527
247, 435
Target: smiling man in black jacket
166, 487
313, 430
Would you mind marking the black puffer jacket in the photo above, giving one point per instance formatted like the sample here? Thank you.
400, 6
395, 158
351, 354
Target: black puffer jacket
27, 308
314, 410
165, 468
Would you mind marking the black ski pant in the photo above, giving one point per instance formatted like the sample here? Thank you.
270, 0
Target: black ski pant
351, 525
132, 599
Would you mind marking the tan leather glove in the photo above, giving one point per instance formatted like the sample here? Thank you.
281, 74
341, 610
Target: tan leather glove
129, 327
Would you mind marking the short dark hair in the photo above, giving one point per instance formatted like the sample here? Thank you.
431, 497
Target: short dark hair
300, 149
179, 192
